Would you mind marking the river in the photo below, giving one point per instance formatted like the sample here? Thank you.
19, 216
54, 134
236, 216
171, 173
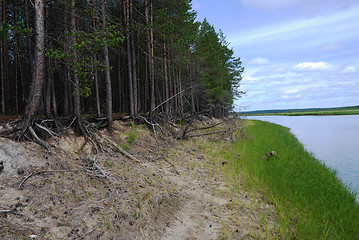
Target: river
334, 140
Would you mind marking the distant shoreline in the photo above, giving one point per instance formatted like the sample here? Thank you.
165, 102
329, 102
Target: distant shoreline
354, 110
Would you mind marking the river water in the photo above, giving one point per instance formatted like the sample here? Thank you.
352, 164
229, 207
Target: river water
333, 140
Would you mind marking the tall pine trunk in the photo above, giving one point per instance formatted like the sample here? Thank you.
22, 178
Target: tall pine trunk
167, 93
97, 93
107, 70
77, 98
151, 68
134, 64
37, 82
129, 57
2, 57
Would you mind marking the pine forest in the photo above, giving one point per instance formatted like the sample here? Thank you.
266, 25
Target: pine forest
77, 58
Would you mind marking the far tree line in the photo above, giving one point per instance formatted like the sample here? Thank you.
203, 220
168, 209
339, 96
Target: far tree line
67, 58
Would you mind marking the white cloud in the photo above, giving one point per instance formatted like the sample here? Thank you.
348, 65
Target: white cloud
349, 69
345, 83
309, 66
291, 91
249, 79
259, 61
285, 96
303, 6
291, 96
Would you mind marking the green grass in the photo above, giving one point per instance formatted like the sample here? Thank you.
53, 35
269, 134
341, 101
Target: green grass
327, 112
311, 202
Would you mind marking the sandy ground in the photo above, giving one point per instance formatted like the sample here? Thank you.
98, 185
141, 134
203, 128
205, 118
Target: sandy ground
177, 192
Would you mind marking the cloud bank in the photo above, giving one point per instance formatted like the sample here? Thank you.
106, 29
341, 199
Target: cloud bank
309, 66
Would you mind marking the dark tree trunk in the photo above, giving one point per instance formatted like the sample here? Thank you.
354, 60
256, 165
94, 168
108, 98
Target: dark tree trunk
77, 98
151, 68
48, 91
167, 94
129, 58
193, 109
37, 83
2, 57
6, 62
53, 94
120, 93
97, 93
107, 70
134, 71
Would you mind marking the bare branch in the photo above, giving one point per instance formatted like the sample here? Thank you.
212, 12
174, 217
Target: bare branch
209, 133
24, 180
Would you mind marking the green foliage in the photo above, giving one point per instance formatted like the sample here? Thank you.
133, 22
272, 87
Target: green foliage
221, 72
133, 134
17, 29
84, 46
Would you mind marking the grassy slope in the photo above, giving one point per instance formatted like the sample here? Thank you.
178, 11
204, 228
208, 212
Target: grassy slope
312, 202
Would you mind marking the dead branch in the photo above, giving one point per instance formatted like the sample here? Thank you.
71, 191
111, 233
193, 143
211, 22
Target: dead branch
168, 99
97, 168
118, 148
24, 180
104, 174
6, 211
207, 127
210, 133
72, 122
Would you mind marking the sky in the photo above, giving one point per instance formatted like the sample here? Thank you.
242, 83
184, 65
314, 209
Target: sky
296, 53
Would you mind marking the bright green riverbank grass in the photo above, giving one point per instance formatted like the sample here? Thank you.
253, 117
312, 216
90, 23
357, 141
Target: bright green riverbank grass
311, 202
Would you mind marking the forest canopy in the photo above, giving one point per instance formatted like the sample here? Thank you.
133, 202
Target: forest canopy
66, 58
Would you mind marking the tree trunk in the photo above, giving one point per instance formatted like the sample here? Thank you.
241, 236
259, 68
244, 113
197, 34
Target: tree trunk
180, 95
2, 57
107, 70
53, 94
77, 98
167, 94
48, 92
120, 93
151, 68
6, 62
97, 93
129, 57
37, 83
134, 71
193, 109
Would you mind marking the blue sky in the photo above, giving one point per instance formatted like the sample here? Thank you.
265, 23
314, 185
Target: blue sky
296, 53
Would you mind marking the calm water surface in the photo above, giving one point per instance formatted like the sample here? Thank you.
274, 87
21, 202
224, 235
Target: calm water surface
332, 139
